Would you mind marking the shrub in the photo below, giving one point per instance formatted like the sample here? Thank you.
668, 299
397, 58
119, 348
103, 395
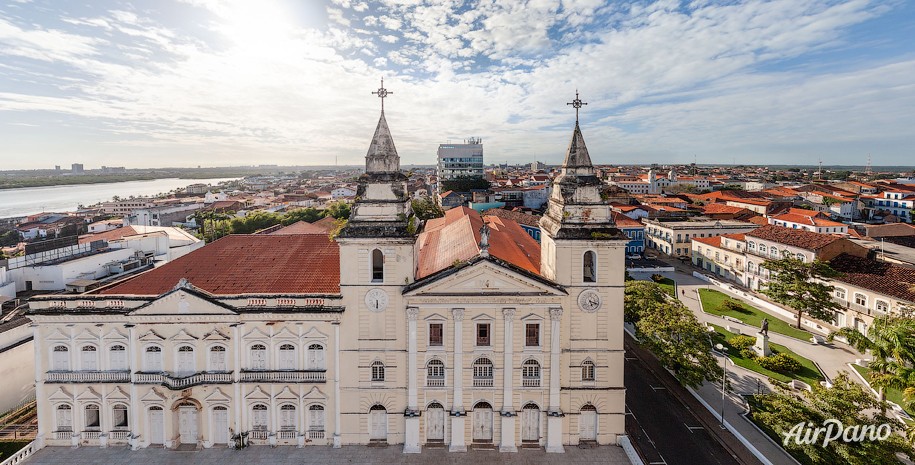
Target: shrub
731, 305
741, 342
748, 353
781, 363
657, 278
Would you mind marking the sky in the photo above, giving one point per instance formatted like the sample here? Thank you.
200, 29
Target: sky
154, 83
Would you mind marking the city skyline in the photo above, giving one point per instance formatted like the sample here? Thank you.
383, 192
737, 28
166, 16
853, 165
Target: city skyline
210, 83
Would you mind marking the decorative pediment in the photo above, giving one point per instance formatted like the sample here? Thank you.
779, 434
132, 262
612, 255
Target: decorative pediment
313, 333
115, 335
256, 333
87, 335
435, 317
57, 335
483, 316
485, 278
215, 335
218, 396
89, 395
285, 333
153, 396
61, 395
531, 316
257, 394
151, 336
286, 394
184, 302
118, 394
315, 394
183, 335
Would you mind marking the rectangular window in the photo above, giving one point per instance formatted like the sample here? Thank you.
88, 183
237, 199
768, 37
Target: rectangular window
435, 334
532, 335
483, 334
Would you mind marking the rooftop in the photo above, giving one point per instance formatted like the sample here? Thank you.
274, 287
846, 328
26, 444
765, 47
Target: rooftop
794, 237
885, 278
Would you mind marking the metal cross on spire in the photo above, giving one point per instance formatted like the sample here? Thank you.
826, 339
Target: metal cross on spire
382, 92
577, 103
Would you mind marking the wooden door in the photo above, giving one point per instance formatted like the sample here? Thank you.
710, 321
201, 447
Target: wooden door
435, 423
482, 423
530, 423
156, 426
220, 425
587, 425
378, 424
187, 424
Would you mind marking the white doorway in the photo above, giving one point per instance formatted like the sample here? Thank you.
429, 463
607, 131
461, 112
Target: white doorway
435, 423
378, 423
587, 424
187, 423
156, 425
530, 424
220, 425
482, 422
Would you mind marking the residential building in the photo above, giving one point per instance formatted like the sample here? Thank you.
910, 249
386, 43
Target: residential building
869, 289
126, 206
673, 237
809, 220
894, 205
634, 230
460, 160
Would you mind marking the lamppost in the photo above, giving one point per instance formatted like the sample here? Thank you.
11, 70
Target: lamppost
724, 380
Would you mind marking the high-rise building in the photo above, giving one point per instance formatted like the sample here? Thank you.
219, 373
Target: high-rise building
76, 168
460, 160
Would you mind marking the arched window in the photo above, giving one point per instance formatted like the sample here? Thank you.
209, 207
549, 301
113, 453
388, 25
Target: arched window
119, 416
258, 357
64, 418
530, 374
751, 245
259, 417
315, 357
801, 257
89, 358
377, 266
773, 252
881, 306
93, 419
185, 360
316, 418
482, 372
435, 373
287, 357
377, 371
287, 417
860, 299
587, 370
762, 248
117, 356
153, 359
589, 272
60, 359
217, 358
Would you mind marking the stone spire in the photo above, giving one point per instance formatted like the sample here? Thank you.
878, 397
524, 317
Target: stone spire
382, 155
578, 161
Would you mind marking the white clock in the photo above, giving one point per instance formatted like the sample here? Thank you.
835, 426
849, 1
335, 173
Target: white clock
376, 300
589, 300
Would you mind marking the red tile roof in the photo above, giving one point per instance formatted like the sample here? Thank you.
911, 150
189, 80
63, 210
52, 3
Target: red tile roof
518, 217
760, 220
807, 220
794, 237
304, 227
455, 237
248, 264
885, 278
717, 208
110, 235
713, 241
624, 221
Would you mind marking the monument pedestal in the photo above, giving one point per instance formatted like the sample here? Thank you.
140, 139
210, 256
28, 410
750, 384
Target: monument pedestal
762, 345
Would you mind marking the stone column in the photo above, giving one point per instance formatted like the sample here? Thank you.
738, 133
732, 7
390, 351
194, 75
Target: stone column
554, 415
411, 415
132, 364
41, 402
338, 442
457, 410
507, 443
238, 402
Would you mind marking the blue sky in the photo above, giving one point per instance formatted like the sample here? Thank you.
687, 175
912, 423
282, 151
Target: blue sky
148, 83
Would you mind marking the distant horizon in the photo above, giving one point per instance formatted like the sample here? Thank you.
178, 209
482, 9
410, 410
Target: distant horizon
205, 82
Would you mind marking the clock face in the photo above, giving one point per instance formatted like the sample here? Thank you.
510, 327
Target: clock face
376, 300
589, 300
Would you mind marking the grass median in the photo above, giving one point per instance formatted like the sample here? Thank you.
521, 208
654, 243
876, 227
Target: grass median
809, 373
712, 301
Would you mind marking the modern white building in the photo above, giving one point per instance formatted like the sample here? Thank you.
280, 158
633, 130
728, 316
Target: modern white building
460, 160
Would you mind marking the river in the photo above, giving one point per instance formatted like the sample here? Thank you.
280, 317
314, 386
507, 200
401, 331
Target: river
30, 200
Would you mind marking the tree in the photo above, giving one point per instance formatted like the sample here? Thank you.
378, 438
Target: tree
308, 215
671, 332
891, 342
800, 286
426, 208
465, 184
781, 412
339, 210
254, 222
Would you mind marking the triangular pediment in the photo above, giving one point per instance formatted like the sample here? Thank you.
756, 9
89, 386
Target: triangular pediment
184, 302
115, 335
257, 394
57, 335
183, 335
217, 396
313, 333
153, 396
485, 277
151, 336
256, 333
315, 394
118, 394
61, 395
286, 394
285, 333
89, 394
215, 335
87, 335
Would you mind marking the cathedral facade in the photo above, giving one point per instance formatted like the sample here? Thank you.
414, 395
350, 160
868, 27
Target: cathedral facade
459, 333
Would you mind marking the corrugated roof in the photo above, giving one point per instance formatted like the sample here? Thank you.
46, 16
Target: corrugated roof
248, 264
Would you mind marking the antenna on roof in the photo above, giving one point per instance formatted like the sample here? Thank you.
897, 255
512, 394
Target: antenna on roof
867, 169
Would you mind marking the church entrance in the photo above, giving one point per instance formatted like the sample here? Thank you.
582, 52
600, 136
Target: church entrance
587, 424
187, 423
482, 422
435, 423
530, 424
378, 423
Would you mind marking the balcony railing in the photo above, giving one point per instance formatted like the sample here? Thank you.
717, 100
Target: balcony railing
316, 434
259, 435
62, 435
283, 376
176, 383
118, 435
87, 377
91, 435
530, 382
482, 382
286, 434
435, 382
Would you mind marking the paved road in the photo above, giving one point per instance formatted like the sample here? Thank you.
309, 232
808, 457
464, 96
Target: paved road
663, 428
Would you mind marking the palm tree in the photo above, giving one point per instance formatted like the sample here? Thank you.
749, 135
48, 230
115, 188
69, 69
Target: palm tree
891, 342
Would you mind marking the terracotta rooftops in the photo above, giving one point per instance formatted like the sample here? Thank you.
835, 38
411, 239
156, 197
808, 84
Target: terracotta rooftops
455, 237
794, 237
807, 220
322, 226
713, 241
518, 217
885, 278
248, 264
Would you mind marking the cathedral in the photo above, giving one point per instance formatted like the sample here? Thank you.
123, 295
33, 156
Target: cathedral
460, 332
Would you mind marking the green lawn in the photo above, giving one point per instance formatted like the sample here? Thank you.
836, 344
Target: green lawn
892, 395
808, 372
711, 303
669, 286
8, 448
